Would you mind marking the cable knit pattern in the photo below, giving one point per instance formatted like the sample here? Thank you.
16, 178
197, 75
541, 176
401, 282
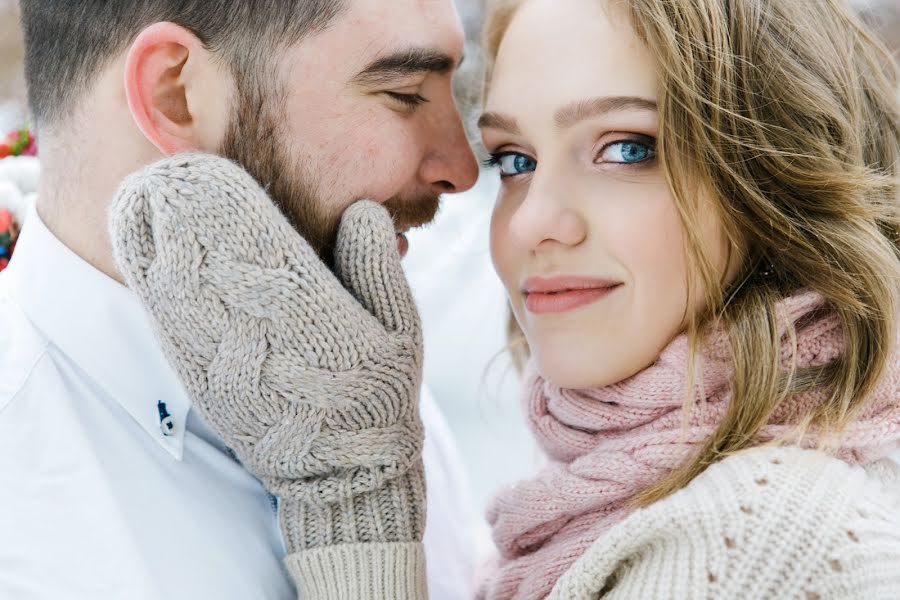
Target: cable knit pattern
311, 379
606, 444
765, 523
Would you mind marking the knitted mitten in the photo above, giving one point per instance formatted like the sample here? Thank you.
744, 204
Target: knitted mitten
312, 380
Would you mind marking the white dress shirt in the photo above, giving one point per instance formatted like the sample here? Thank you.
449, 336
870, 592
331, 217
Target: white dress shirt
99, 500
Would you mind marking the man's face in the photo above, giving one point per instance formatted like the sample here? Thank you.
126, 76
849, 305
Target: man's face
361, 110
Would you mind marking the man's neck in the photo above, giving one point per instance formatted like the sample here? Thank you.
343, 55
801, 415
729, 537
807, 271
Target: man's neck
73, 198
82, 231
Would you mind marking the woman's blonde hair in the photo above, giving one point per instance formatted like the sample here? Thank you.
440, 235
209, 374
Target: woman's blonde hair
786, 113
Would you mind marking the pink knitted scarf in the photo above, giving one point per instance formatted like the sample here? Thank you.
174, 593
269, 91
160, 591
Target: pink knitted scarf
607, 444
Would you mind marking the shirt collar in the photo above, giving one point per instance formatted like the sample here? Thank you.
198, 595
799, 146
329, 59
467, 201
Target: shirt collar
101, 326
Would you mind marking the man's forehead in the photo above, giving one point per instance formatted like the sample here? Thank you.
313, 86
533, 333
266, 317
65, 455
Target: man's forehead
384, 29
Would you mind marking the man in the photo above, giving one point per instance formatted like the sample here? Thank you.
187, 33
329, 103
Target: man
110, 486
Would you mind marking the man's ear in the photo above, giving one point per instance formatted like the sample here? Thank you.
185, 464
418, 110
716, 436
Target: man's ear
169, 75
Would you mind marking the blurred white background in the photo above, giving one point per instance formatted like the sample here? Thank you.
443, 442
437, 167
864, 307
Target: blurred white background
463, 306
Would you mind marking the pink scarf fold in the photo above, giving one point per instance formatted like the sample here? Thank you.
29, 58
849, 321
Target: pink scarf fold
607, 444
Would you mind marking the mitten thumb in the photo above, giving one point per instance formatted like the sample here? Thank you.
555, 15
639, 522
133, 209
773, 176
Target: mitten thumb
368, 263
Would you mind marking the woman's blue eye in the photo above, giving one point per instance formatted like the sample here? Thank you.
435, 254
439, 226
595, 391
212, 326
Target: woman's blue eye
627, 152
512, 163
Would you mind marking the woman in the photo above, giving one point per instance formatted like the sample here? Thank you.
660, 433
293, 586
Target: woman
698, 232
760, 136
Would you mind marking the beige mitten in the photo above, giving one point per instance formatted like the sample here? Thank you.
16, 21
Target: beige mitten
312, 380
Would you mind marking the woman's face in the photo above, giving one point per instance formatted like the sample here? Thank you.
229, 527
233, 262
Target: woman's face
585, 232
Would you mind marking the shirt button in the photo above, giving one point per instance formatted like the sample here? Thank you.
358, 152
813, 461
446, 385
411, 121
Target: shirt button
166, 422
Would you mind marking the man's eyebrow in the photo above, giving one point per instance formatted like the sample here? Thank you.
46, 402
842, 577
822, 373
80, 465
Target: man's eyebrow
576, 112
403, 63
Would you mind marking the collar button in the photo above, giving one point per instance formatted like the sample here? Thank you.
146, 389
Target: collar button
166, 422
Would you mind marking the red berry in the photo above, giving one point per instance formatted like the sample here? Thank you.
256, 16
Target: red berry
4, 262
6, 220
30, 149
5, 150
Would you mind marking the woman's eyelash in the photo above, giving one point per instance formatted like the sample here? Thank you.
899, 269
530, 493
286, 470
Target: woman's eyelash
410, 100
495, 161
520, 165
492, 161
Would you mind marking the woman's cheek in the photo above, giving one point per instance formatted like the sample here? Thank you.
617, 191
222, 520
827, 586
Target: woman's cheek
502, 250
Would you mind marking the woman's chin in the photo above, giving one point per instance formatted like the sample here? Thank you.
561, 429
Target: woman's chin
579, 370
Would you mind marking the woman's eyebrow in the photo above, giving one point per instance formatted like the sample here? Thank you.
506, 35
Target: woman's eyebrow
572, 113
578, 111
495, 120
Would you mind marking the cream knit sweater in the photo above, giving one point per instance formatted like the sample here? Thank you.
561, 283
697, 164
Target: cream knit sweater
779, 523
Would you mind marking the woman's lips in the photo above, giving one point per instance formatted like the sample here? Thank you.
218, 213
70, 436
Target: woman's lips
548, 295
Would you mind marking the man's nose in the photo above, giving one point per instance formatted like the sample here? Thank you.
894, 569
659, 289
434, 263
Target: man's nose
450, 166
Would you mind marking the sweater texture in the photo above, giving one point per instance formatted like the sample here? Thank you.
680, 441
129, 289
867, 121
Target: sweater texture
763, 524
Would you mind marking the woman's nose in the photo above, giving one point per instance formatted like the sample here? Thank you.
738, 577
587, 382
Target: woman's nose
545, 219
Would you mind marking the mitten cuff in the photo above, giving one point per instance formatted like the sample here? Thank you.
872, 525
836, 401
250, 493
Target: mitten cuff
393, 512
360, 572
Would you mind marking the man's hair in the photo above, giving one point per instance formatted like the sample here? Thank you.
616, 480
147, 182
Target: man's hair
68, 42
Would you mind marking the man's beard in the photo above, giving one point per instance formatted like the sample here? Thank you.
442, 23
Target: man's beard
254, 141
